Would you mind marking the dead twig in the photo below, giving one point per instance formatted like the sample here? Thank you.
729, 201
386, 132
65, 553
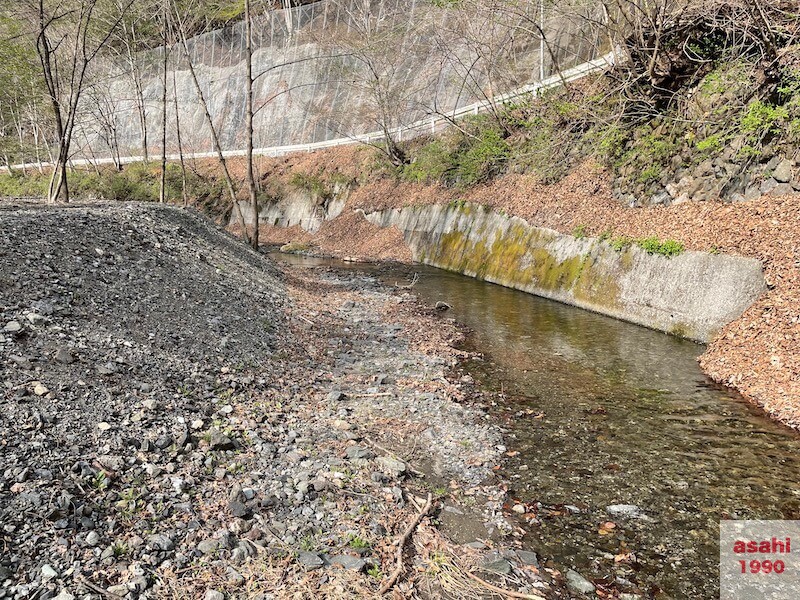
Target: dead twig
374, 444
499, 590
401, 542
414, 281
97, 589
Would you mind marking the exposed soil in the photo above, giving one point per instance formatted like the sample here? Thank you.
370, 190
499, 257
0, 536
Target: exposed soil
181, 418
756, 354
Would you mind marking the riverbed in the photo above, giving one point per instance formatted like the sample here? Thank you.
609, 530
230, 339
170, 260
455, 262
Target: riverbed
622, 453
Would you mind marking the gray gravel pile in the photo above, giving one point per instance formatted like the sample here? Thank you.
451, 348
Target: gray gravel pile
165, 409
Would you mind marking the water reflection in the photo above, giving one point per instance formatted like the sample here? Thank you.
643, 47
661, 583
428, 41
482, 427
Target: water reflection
605, 413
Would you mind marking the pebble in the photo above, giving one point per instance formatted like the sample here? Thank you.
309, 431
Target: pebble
500, 565
578, 583
351, 563
209, 546
310, 560
392, 465
12, 327
214, 595
92, 538
103, 426
48, 573
358, 452
40, 389
64, 356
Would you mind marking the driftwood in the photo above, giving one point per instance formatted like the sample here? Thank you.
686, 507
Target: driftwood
414, 281
97, 589
401, 542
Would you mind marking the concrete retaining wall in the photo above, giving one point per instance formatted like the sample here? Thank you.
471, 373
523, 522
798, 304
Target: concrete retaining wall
691, 295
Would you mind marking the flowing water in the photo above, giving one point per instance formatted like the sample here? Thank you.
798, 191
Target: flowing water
607, 413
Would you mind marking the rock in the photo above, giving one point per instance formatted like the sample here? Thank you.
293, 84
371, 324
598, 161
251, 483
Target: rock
64, 595
161, 542
630, 511
577, 583
12, 327
103, 426
392, 465
238, 509
48, 573
501, 565
442, 306
342, 425
233, 577
358, 452
351, 563
310, 560
519, 509
209, 546
22, 362
108, 368
63, 356
92, 538
767, 186
476, 545
40, 389
219, 441
335, 396
119, 589
782, 189
783, 172
214, 595
528, 558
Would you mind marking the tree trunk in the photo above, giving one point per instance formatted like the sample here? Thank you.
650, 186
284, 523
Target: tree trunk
162, 193
180, 141
237, 211
251, 180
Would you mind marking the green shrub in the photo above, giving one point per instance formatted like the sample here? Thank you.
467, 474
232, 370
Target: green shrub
311, 184
710, 145
433, 163
668, 248
579, 232
761, 118
620, 243
483, 159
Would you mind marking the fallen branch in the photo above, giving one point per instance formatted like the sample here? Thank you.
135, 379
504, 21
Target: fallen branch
97, 589
401, 542
374, 444
414, 281
499, 590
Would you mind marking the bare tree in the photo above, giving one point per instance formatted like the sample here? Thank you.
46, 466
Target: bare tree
251, 180
68, 37
162, 190
181, 29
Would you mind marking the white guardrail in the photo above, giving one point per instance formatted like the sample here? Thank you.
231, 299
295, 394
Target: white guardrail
427, 125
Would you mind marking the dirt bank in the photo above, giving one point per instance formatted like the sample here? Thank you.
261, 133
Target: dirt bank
181, 418
756, 354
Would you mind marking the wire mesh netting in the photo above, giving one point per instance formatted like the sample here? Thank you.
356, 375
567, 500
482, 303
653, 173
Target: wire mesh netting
336, 69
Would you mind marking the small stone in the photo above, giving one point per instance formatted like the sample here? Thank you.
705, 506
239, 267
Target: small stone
214, 595
219, 441
626, 510
442, 306
152, 470
63, 356
197, 424
48, 573
310, 560
351, 563
12, 327
108, 368
238, 509
476, 545
21, 362
577, 583
528, 558
783, 172
501, 566
103, 426
64, 595
233, 577
358, 452
392, 465
40, 389
92, 538
161, 541
119, 589
519, 509
342, 425
209, 546
335, 396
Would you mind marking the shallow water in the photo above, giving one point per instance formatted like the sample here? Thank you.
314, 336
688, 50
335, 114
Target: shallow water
604, 413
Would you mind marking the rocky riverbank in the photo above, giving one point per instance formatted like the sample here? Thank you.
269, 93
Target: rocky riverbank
181, 418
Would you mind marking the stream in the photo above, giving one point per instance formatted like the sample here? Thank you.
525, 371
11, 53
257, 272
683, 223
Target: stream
628, 455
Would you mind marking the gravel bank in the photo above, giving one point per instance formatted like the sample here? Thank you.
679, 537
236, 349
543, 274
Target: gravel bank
180, 418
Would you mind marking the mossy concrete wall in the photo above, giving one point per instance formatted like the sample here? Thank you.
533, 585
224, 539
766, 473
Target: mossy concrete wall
692, 295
